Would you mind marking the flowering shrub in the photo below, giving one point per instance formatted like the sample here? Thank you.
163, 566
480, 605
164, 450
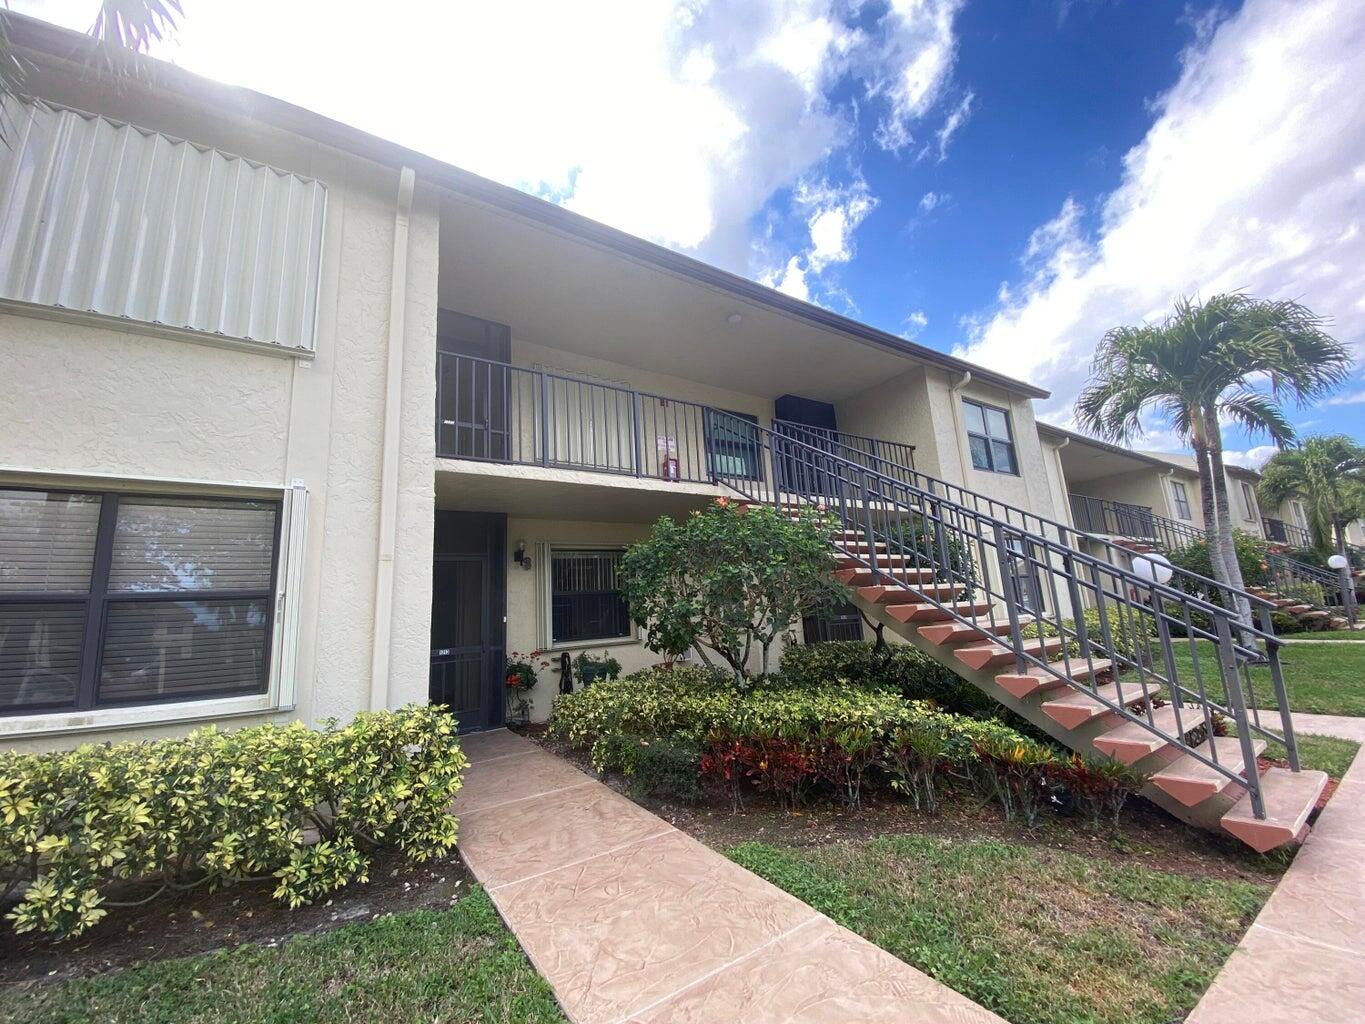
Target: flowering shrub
1017, 771
521, 679
218, 807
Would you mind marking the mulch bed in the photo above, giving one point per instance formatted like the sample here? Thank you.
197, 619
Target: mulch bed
198, 922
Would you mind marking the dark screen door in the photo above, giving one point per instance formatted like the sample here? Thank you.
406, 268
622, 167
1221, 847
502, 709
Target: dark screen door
467, 609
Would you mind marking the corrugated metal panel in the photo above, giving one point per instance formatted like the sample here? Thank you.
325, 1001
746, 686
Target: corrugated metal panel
110, 218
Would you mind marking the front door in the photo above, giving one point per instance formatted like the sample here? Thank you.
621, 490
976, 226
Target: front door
468, 627
815, 425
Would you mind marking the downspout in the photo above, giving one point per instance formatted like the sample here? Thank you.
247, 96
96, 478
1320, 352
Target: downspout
1061, 478
959, 426
388, 482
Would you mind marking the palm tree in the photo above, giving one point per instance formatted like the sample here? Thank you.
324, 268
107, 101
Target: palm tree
119, 26
1207, 364
1328, 474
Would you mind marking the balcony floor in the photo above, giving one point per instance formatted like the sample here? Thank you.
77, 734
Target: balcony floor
548, 493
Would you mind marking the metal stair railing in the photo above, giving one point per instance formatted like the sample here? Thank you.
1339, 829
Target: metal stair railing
1162, 642
1031, 522
1293, 578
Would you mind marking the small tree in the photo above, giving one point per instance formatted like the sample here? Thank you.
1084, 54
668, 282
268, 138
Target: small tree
728, 579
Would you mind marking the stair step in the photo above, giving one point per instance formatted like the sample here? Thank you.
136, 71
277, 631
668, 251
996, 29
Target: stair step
1289, 798
884, 561
962, 632
1281, 602
1036, 679
989, 652
1298, 609
860, 576
1317, 613
1132, 742
1191, 781
925, 612
911, 601
1079, 706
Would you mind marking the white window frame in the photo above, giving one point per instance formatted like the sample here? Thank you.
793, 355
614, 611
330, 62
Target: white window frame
1248, 501
281, 687
546, 552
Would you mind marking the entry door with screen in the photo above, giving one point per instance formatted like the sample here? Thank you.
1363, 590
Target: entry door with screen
467, 618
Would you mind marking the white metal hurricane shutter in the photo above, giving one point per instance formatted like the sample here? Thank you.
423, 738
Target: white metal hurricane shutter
109, 218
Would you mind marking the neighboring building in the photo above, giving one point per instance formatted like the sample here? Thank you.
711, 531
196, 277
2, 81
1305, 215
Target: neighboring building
300, 423
1120, 492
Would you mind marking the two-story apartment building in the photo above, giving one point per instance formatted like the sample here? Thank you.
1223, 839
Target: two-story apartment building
300, 422
1120, 492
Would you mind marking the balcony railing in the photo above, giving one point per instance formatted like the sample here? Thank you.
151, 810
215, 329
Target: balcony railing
495, 412
1285, 533
1120, 519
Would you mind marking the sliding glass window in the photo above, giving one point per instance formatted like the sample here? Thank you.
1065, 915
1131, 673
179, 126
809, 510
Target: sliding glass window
111, 599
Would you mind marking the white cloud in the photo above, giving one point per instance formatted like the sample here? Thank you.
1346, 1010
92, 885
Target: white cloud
1249, 178
915, 322
932, 200
912, 64
956, 118
677, 120
1252, 458
832, 214
1350, 398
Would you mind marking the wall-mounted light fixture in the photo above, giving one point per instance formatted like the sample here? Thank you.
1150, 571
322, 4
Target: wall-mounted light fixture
521, 557
734, 319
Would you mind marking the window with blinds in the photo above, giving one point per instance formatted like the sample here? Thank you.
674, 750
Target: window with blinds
586, 602
111, 599
103, 217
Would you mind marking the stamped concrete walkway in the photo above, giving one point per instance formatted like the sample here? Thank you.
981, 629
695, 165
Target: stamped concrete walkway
633, 922
1303, 959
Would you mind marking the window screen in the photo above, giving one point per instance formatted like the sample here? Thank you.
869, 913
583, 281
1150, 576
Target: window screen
586, 602
112, 599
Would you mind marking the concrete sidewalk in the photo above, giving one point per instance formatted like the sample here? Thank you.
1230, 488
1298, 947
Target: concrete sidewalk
1303, 959
632, 921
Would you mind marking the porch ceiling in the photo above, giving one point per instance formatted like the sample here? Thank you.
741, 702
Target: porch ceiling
1083, 463
561, 292
539, 493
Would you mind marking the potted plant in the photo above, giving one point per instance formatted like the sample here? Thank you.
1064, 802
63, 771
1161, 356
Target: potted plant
589, 668
521, 680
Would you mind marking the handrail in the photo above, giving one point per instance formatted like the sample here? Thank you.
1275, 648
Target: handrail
1168, 534
1282, 532
1287, 572
1067, 534
953, 544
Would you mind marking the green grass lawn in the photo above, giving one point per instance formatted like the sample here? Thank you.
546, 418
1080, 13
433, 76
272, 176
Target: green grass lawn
1040, 936
1329, 634
458, 965
1322, 753
1324, 679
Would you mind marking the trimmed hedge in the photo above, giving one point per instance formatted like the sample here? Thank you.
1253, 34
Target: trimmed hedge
217, 807
790, 742
897, 667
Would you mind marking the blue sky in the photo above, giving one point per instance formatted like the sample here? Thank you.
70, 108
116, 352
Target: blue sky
1003, 179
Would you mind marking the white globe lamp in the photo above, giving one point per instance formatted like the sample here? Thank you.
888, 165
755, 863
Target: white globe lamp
1338, 562
1153, 567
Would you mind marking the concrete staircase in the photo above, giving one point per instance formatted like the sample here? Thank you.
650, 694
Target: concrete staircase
1089, 705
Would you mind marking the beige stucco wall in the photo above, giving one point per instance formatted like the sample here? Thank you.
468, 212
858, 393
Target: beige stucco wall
113, 402
921, 407
528, 602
